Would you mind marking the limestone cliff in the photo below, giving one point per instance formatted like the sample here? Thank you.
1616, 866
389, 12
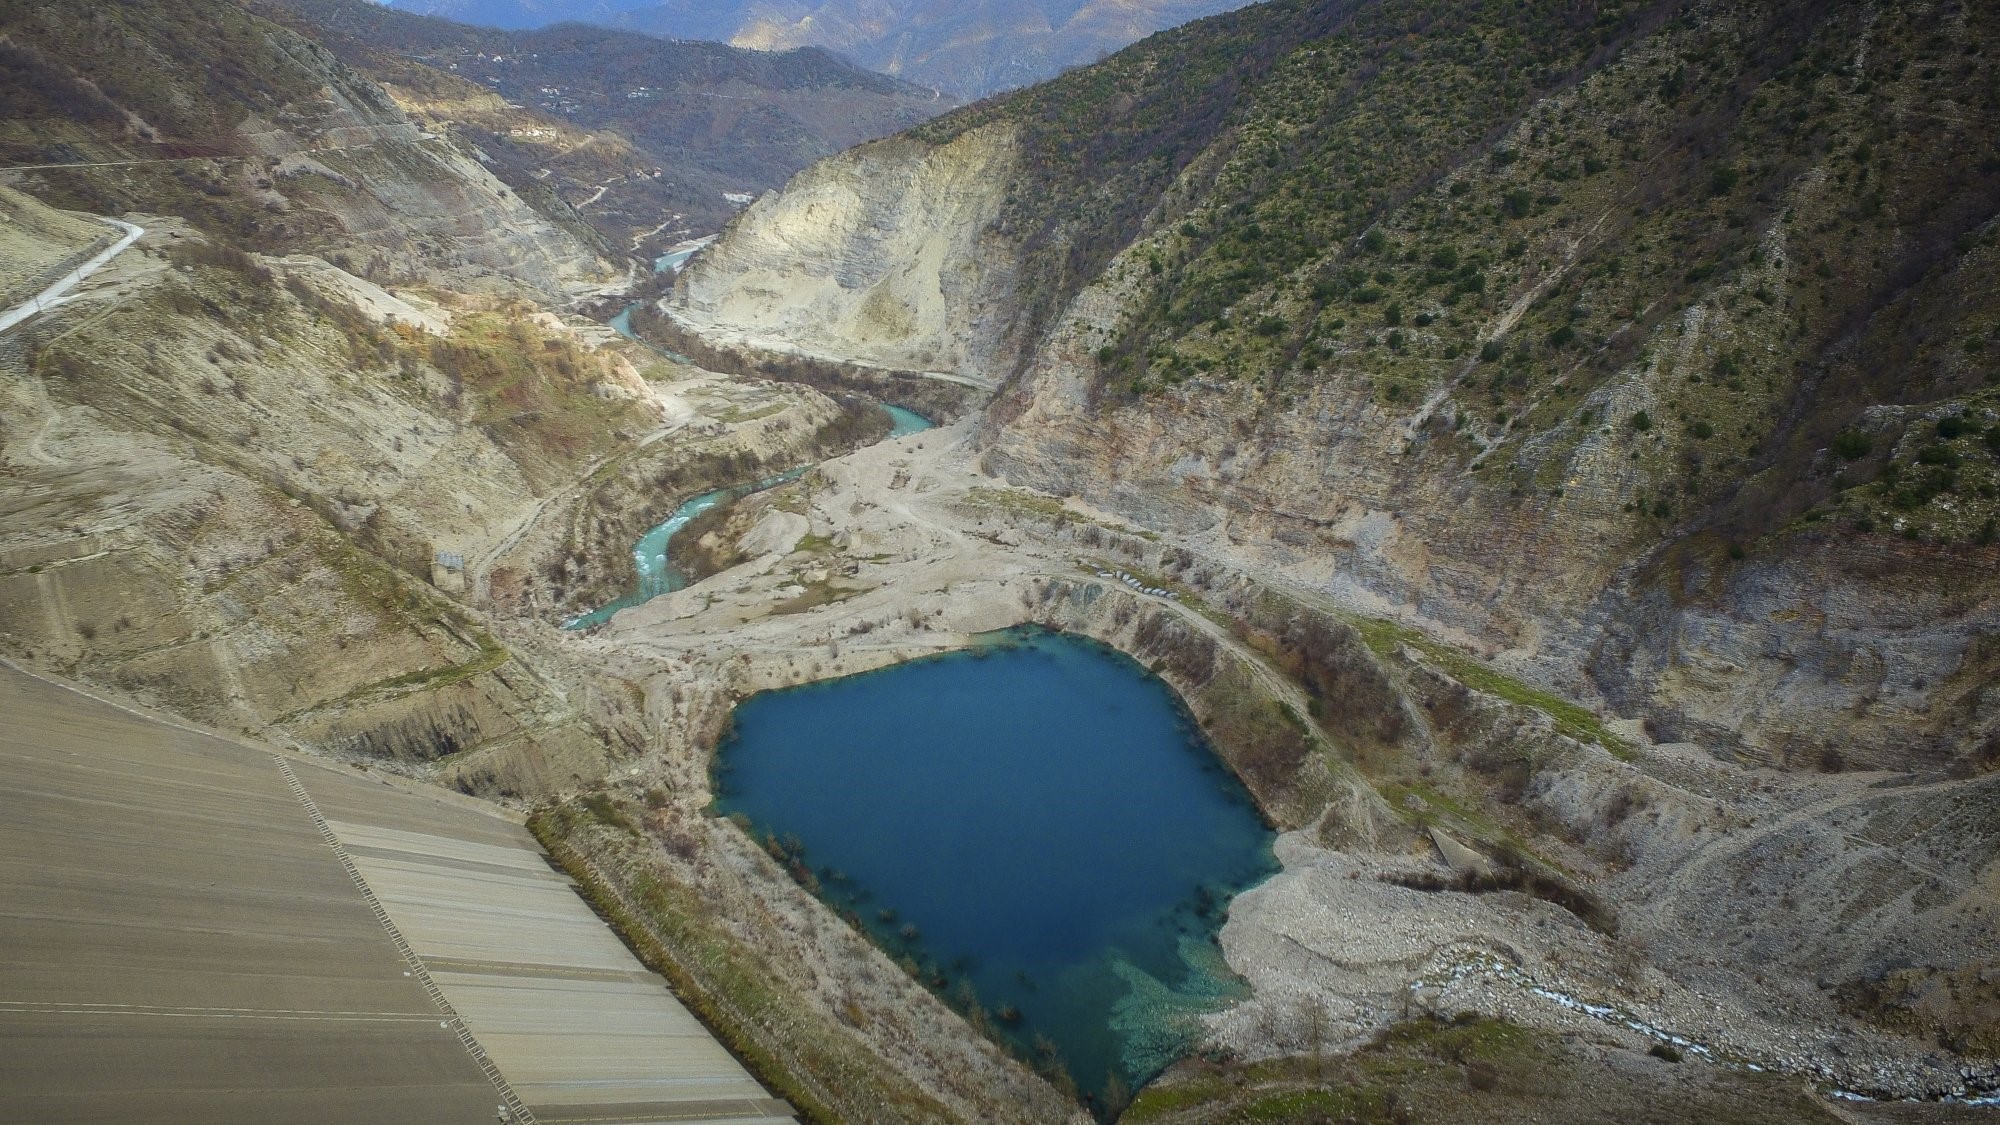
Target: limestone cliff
883, 256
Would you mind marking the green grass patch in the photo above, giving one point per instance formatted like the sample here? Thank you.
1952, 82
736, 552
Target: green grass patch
1437, 808
736, 416
1156, 1102
1383, 638
1026, 503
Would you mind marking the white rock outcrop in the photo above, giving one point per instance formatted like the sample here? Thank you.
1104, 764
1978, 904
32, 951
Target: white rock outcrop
883, 255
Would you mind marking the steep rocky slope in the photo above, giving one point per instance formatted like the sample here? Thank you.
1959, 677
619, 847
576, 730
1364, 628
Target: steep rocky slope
262, 136
204, 110
1649, 361
836, 266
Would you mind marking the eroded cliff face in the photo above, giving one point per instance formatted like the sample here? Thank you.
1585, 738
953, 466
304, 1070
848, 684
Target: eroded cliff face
883, 256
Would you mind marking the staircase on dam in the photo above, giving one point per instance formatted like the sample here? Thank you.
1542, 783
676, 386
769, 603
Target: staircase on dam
199, 930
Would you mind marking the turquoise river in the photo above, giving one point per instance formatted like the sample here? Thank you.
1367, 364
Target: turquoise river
657, 576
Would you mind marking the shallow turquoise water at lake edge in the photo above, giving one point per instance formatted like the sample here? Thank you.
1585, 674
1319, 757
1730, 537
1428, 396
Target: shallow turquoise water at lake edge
1038, 820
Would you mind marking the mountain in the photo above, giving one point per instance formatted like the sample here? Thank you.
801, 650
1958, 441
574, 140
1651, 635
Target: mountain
966, 49
969, 49
1658, 303
666, 130
517, 15
262, 137
1634, 354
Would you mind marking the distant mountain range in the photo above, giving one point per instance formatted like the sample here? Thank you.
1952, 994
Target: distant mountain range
634, 131
966, 48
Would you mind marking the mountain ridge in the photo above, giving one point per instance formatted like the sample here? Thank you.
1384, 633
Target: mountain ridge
965, 50
667, 130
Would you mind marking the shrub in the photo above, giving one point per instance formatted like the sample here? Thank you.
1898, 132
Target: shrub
1642, 421
1702, 430
1852, 445
606, 811
1950, 426
1491, 350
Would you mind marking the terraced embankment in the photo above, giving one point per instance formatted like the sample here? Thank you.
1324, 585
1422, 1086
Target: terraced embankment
198, 932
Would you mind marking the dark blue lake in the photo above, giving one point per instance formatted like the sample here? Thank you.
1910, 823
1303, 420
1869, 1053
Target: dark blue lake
1038, 818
